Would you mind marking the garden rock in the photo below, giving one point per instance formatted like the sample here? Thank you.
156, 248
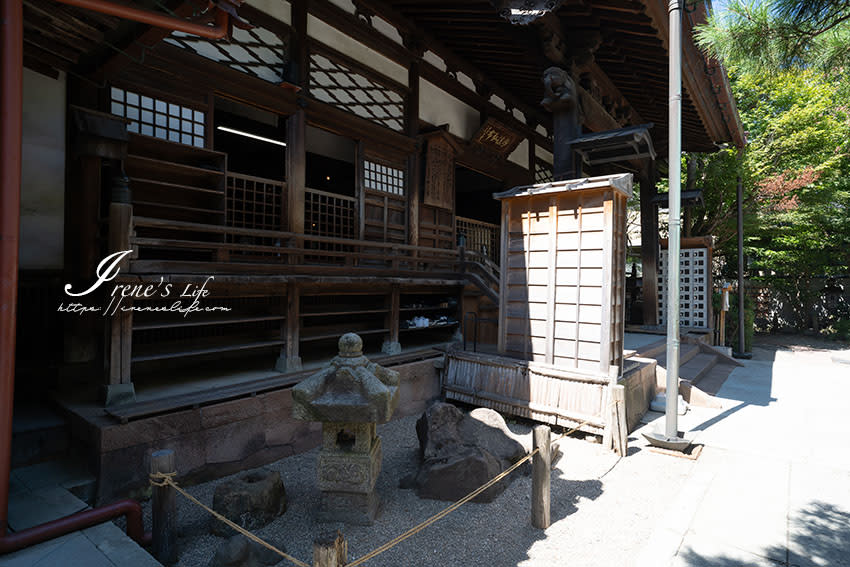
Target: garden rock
251, 501
239, 551
460, 452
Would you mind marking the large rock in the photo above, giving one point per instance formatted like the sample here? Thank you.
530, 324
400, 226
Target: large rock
251, 500
460, 452
239, 551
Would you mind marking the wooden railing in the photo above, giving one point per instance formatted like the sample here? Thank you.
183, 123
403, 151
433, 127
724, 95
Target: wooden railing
479, 237
184, 247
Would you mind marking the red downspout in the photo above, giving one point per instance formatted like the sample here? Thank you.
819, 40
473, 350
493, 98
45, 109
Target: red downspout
79, 521
11, 111
11, 118
221, 29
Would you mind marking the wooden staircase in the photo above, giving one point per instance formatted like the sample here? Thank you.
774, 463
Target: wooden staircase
702, 368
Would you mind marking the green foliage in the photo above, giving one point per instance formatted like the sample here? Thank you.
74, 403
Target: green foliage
796, 177
768, 35
731, 321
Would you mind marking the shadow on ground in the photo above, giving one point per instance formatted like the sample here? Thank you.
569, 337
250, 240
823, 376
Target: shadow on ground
817, 537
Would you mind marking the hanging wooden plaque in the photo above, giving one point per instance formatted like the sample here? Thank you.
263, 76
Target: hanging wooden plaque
497, 138
440, 173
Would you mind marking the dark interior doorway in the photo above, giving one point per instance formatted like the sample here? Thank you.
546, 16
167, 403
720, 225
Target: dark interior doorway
474, 195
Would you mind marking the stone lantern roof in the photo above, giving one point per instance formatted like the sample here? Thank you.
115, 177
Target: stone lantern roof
350, 389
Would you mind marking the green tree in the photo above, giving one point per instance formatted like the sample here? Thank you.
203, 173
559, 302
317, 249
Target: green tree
775, 35
797, 174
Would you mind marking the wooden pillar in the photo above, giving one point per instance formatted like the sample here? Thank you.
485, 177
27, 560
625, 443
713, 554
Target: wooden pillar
414, 183
392, 344
164, 510
290, 358
296, 169
296, 125
119, 387
649, 244
541, 471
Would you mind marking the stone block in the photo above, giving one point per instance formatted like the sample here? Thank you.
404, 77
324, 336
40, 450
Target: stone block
277, 401
229, 412
251, 501
234, 441
349, 507
350, 472
149, 430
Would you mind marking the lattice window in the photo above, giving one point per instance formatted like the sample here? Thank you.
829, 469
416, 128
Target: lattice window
259, 51
254, 202
694, 294
154, 117
542, 172
327, 214
339, 85
379, 177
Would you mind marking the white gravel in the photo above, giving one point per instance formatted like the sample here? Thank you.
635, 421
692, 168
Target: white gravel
603, 510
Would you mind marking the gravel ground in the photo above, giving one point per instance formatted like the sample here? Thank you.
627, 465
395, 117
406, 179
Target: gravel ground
603, 510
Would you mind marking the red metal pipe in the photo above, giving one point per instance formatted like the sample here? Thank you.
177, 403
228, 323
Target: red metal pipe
131, 509
11, 118
221, 29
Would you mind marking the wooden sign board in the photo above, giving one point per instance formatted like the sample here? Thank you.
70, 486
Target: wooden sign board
497, 138
440, 173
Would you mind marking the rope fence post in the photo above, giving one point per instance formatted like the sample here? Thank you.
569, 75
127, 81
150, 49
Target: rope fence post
164, 508
541, 472
330, 550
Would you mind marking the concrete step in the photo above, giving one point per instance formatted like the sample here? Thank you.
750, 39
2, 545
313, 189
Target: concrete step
653, 350
697, 367
687, 351
711, 382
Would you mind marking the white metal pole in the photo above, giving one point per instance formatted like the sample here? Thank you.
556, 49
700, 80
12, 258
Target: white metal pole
674, 161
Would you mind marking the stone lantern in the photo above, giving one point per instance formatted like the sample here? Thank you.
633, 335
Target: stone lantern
349, 396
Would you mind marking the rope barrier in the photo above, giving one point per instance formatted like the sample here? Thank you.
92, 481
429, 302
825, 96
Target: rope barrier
451, 508
167, 479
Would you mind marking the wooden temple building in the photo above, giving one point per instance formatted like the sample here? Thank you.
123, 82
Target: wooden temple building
325, 166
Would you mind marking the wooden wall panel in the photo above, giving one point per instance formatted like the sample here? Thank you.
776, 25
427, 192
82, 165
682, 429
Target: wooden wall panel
563, 277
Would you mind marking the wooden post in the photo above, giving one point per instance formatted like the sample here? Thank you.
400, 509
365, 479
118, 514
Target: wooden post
330, 550
649, 245
119, 387
164, 510
541, 468
290, 357
619, 427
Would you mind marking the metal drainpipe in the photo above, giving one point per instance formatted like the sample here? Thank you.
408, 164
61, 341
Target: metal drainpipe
11, 110
221, 29
674, 160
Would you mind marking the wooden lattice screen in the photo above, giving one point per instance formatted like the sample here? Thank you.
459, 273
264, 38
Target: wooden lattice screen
384, 202
480, 237
356, 90
262, 51
254, 202
542, 172
329, 214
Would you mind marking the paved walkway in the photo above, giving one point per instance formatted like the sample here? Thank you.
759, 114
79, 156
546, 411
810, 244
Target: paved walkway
43, 492
772, 486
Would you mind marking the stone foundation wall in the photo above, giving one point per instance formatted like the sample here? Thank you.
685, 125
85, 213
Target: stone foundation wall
220, 439
639, 381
